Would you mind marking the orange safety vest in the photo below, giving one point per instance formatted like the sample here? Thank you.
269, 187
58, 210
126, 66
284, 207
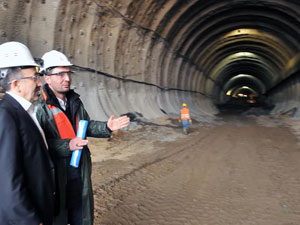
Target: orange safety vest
63, 123
185, 114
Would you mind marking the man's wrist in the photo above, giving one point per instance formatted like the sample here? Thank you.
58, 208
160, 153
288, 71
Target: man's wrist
109, 130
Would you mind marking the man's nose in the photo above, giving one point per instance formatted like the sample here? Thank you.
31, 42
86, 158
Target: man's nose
67, 77
39, 82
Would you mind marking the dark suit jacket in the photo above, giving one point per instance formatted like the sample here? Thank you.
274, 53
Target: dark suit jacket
27, 185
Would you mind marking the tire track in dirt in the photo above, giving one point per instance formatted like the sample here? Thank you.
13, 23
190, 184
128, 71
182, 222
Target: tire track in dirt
229, 175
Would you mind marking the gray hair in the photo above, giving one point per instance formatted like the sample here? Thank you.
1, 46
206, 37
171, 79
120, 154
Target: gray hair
12, 73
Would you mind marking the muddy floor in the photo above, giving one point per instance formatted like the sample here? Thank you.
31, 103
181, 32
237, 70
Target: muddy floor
234, 171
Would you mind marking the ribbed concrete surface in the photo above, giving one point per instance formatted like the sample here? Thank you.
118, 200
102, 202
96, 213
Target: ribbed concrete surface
195, 46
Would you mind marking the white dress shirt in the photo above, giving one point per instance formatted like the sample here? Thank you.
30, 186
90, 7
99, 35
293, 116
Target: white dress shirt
62, 103
31, 110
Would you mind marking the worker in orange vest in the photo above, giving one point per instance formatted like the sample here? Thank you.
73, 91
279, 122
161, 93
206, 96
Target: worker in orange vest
185, 118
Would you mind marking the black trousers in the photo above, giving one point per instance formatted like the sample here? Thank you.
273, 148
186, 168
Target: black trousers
75, 215
74, 201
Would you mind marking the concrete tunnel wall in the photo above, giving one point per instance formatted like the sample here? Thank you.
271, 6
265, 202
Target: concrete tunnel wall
285, 97
94, 36
163, 46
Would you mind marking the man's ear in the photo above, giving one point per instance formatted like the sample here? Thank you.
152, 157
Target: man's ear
47, 79
15, 86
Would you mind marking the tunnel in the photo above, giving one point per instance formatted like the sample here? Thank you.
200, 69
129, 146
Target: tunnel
148, 57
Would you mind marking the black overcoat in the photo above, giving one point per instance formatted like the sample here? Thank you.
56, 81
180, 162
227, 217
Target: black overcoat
27, 188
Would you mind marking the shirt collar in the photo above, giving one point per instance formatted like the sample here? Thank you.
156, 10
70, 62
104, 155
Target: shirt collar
62, 104
22, 101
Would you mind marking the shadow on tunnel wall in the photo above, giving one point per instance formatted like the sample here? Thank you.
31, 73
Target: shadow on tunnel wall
286, 95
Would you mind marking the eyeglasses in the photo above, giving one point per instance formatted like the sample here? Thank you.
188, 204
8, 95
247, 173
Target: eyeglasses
61, 74
35, 77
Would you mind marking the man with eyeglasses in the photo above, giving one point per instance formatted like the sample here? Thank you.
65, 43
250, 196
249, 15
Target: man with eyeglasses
26, 171
60, 109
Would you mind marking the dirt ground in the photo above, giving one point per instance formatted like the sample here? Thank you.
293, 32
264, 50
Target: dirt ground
238, 170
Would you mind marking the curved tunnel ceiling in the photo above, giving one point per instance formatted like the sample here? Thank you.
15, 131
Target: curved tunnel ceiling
228, 38
203, 47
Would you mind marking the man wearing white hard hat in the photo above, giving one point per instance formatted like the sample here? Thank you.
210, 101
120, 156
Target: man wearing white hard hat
60, 109
26, 171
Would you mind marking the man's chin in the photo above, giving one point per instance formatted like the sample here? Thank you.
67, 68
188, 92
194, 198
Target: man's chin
36, 97
66, 89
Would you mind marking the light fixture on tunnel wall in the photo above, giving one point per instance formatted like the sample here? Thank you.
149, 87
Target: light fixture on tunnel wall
244, 54
243, 31
243, 91
242, 95
235, 57
229, 92
245, 78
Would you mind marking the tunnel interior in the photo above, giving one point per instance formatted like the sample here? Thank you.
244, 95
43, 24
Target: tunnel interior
148, 57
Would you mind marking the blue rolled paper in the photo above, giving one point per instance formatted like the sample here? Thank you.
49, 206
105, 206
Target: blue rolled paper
81, 132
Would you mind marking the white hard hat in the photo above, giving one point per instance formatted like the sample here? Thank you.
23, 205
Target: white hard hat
15, 54
53, 59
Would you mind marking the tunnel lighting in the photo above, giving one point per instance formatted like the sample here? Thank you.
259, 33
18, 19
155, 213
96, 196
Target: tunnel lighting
243, 31
242, 95
245, 87
240, 92
244, 54
229, 92
245, 78
293, 64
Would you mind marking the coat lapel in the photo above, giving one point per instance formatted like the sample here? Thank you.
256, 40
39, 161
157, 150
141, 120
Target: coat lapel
15, 105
